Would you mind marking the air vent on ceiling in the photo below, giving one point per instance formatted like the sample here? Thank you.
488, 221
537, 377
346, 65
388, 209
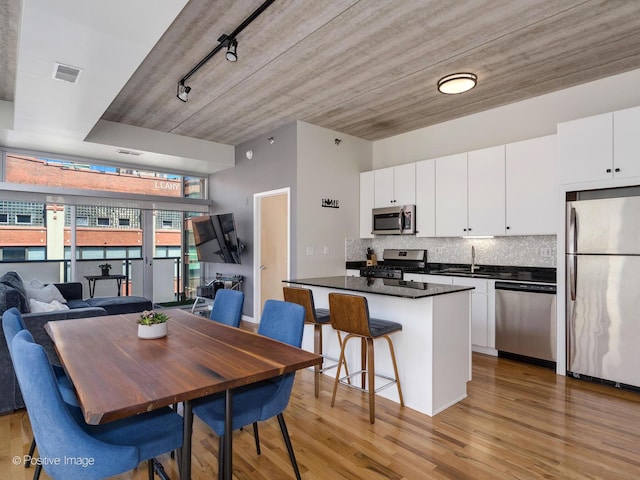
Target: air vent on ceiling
66, 73
129, 152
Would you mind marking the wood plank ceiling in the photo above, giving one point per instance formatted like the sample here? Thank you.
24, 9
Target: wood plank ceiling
369, 67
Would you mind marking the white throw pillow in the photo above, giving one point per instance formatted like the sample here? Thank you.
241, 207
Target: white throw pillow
38, 307
47, 294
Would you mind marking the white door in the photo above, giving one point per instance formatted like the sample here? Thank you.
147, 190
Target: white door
271, 227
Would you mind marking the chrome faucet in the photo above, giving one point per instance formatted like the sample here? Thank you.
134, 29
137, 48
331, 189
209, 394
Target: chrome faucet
473, 259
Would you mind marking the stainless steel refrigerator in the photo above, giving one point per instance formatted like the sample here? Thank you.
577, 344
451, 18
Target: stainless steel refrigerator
603, 285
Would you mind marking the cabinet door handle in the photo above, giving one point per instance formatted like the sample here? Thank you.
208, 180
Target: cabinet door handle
608, 170
617, 170
508, 228
464, 229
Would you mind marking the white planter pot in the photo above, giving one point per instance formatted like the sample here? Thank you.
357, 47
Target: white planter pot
158, 330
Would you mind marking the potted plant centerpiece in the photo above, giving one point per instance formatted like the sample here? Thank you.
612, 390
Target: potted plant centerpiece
105, 267
152, 324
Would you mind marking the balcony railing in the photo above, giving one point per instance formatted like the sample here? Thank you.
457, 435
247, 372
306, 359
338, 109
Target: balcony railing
167, 275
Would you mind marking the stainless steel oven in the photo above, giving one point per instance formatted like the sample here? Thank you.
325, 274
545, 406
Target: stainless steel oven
526, 321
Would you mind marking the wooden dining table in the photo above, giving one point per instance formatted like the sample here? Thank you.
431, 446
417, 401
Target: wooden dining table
117, 375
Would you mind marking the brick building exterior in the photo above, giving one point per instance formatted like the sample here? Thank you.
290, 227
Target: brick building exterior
26, 225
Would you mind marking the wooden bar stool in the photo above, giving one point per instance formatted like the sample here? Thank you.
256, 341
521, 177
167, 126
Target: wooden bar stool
316, 317
350, 314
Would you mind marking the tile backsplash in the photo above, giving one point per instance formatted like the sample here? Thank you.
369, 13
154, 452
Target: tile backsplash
523, 251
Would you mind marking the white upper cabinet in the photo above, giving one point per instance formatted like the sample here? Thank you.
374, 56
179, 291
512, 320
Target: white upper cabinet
395, 186
426, 198
451, 195
366, 204
599, 148
531, 187
486, 191
585, 149
626, 143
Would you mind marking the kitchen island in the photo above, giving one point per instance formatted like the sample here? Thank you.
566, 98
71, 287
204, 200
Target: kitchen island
433, 350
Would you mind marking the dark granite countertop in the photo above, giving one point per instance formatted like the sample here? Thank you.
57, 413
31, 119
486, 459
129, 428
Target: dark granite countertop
492, 272
394, 288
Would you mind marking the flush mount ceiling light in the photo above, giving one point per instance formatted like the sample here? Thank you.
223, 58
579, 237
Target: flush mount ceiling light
457, 83
228, 41
249, 154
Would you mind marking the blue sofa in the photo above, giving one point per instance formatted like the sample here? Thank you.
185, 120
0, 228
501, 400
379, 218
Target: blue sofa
13, 294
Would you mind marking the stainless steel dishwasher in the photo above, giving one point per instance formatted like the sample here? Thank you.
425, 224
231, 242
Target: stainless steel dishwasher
526, 322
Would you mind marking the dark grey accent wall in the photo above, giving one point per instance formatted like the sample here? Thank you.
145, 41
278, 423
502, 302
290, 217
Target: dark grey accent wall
273, 166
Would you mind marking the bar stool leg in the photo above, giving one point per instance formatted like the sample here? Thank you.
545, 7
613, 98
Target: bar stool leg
340, 362
371, 374
395, 369
363, 362
317, 349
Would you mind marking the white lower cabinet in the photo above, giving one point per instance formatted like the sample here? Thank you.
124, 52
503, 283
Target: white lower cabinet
483, 330
479, 309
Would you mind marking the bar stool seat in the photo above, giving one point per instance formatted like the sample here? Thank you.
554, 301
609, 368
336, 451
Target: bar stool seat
316, 317
350, 314
382, 327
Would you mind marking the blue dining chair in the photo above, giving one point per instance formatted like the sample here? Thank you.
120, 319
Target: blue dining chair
68, 443
227, 307
282, 321
12, 323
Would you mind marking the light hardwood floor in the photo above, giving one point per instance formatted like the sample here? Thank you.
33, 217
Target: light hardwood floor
518, 422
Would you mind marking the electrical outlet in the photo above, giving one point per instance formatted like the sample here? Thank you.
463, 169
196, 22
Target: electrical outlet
439, 250
546, 252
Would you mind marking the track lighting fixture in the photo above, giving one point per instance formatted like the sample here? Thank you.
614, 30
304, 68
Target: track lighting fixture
228, 41
183, 92
232, 56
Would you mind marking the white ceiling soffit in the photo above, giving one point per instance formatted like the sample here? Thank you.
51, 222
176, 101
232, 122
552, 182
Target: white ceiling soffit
106, 40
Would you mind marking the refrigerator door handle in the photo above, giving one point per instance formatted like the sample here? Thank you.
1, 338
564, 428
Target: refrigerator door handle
572, 232
572, 265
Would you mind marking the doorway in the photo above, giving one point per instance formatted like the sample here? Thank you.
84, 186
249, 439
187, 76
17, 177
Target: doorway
272, 240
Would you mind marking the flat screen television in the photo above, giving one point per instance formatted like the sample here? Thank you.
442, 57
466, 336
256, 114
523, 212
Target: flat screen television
216, 238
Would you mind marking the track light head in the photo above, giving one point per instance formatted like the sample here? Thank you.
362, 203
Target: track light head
232, 55
183, 92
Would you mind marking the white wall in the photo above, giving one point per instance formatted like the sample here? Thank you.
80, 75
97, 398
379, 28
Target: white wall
327, 170
531, 118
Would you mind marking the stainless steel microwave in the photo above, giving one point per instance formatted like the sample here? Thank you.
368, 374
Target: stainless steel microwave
398, 220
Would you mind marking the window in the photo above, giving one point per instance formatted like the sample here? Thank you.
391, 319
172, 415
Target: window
82, 221
167, 224
4, 218
124, 222
23, 219
40, 170
103, 222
